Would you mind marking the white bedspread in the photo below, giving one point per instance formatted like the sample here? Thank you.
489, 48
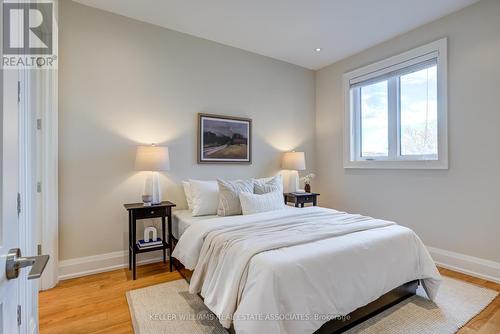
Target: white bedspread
289, 271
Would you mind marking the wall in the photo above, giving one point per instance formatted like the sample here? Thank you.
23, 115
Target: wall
124, 82
455, 210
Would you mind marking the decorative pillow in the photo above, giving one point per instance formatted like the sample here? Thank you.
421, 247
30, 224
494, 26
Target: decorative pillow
254, 203
267, 185
187, 191
204, 197
229, 202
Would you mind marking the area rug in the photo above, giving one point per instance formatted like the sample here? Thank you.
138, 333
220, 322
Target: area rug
170, 308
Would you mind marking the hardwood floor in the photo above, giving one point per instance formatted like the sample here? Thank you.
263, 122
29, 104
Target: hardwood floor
97, 303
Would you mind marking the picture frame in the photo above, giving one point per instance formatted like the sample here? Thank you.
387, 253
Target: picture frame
224, 139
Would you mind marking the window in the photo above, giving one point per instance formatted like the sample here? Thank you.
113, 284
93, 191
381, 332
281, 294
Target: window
396, 111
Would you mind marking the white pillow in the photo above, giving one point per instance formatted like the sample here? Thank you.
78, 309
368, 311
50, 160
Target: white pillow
204, 197
187, 191
268, 184
254, 203
229, 202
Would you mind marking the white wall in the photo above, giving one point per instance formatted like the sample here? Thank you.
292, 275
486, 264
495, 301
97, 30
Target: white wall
456, 209
124, 82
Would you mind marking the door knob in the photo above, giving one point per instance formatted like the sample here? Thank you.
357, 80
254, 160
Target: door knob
15, 262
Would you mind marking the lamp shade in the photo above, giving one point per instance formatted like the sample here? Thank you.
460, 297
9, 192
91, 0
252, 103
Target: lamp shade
294, 161
152, 158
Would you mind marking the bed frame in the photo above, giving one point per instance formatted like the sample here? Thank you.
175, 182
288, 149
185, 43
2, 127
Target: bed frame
354, 318
370, 310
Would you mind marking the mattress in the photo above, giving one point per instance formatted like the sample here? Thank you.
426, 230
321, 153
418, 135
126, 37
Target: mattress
182, 219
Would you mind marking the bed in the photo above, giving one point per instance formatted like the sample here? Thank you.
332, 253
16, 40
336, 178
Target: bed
293, 270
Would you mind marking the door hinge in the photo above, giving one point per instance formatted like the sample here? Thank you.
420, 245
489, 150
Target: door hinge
39, 187
38, 123
39, 249
18, 91
18, 204
19, 315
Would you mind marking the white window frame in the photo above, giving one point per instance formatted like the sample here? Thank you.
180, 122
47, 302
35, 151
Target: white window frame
352, 157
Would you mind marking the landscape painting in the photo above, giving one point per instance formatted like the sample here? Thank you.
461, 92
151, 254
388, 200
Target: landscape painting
224, 139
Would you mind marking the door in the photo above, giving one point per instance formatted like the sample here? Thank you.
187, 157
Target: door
18, 293
9, 226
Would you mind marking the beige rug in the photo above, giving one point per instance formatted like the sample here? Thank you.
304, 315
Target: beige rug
169, 308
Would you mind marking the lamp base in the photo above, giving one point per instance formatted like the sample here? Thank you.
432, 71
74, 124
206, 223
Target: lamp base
290, 181
152, 189
156, 189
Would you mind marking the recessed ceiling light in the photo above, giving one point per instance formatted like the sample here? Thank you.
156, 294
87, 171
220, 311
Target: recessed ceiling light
317, 49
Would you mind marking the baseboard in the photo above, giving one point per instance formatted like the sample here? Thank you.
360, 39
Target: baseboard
95, 264
82, 266
466, 264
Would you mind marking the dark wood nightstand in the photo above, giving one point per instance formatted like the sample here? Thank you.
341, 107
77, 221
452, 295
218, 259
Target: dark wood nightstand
138, 211
299, 199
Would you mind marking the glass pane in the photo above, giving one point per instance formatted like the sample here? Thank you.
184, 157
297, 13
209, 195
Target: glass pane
374, 120
419, 112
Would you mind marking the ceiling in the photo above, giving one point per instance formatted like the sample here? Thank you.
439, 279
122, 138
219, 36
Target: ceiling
288, 30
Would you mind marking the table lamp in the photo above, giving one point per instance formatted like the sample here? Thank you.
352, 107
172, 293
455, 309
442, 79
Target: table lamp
293, 161
153, 159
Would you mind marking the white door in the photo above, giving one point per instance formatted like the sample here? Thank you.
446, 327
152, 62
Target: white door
9, 220
18, 290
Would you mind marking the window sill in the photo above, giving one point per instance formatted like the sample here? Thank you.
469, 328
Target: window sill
403, 164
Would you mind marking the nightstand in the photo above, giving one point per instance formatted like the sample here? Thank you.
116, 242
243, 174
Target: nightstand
299, 199
138, 211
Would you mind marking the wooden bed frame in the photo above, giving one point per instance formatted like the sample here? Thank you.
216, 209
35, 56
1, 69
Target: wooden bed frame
354, 318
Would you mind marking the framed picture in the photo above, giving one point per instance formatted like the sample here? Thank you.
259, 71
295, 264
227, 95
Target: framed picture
224, 139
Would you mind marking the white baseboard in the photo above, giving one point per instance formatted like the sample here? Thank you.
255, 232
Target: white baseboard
88, 265
466, 264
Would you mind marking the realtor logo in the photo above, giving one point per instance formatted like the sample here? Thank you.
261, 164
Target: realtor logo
29, 38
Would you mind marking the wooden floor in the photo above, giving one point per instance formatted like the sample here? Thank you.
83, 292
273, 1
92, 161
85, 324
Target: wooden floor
97, 304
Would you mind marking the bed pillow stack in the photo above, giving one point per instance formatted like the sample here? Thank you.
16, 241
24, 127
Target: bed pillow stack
223, 197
